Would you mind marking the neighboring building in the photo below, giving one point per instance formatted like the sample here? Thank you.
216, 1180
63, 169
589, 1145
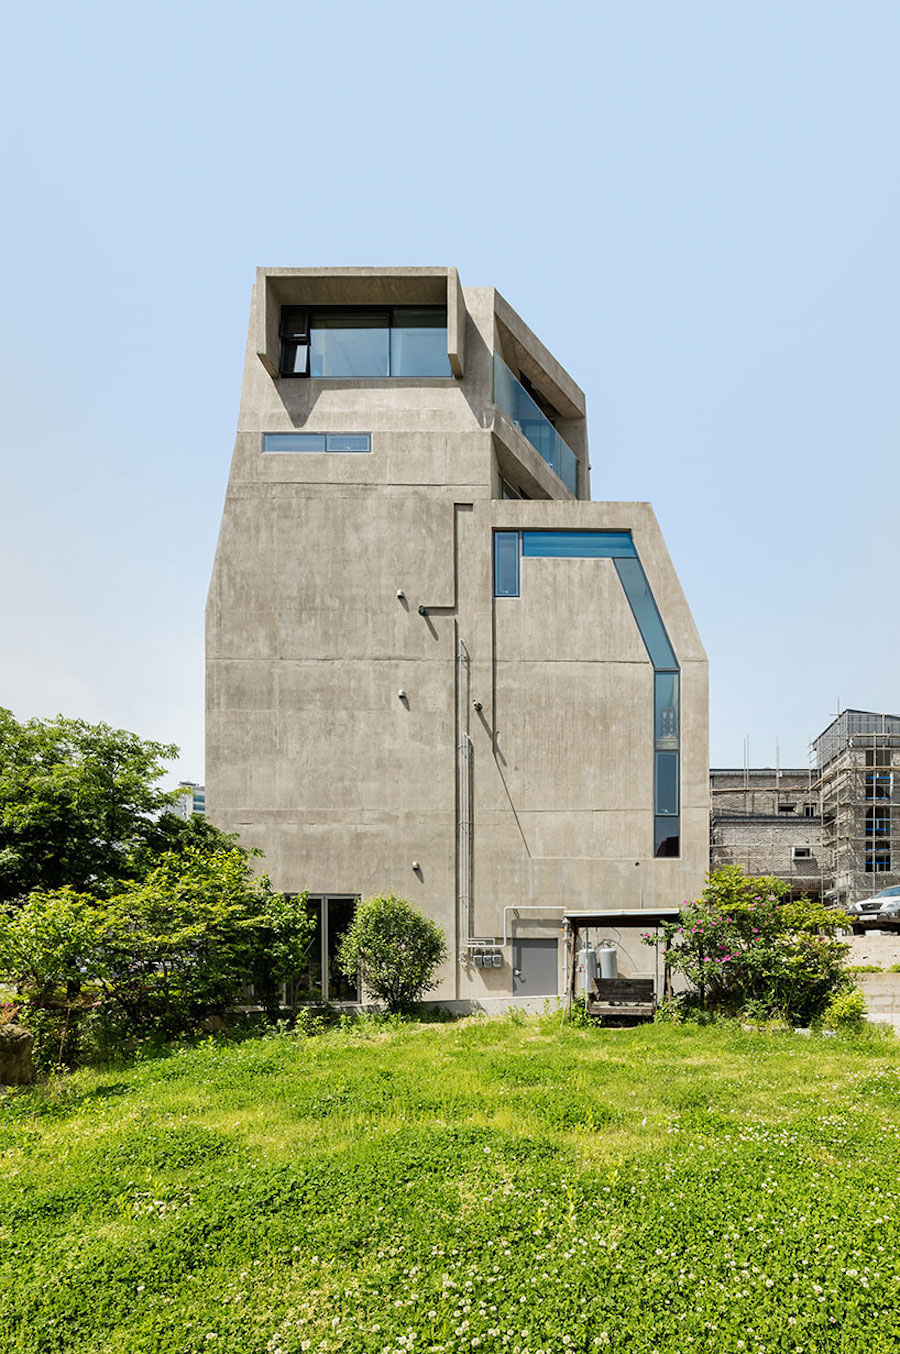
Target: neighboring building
856, 759
767, 821
433, 666
192, 801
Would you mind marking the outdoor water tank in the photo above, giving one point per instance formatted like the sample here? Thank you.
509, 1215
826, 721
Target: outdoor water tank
609, 960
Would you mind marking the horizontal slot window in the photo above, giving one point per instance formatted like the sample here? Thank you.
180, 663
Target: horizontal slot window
578, 544
294, 442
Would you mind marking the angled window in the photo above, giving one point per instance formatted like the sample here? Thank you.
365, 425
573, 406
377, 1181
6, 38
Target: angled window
620, 548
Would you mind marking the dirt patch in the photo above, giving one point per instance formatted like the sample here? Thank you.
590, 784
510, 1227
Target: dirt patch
882, 950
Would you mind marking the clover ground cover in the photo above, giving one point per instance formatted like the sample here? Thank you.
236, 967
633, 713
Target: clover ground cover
499, 1186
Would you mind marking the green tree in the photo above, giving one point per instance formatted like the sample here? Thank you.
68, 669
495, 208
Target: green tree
160, 955
745, 944
48, 945
77, 804
179, 944
393, 949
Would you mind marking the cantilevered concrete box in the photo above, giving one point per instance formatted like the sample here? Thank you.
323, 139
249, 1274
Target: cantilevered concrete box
434, 667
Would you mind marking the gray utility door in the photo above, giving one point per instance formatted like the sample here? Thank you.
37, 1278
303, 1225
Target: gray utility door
535, 968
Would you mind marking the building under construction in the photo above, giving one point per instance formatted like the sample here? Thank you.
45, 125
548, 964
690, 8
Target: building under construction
766, 820
829, 830
854, 760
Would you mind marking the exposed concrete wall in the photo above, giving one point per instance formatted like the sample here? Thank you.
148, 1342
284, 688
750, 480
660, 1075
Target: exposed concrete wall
312, 753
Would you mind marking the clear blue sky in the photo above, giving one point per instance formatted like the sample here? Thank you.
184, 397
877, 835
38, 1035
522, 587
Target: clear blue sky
695, 205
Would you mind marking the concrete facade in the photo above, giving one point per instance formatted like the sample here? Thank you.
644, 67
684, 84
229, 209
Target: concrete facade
377, 718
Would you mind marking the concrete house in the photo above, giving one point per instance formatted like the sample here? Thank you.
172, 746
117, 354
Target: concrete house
433, 665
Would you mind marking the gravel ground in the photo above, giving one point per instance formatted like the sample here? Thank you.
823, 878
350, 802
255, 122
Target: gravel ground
882, 950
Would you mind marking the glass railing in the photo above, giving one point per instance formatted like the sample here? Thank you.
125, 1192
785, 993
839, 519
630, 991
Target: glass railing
511, 397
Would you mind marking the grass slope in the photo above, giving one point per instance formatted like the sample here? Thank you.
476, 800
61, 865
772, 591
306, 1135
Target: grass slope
495, 1186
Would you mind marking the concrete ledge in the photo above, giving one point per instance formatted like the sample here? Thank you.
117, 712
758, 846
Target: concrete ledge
882, 993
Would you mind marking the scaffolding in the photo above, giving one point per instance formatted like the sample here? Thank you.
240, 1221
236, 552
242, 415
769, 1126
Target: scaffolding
855, 760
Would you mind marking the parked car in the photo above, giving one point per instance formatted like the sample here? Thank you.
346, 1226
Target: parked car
881, 910
889, 913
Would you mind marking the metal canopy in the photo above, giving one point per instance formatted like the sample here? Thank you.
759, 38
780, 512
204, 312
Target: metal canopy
635, 916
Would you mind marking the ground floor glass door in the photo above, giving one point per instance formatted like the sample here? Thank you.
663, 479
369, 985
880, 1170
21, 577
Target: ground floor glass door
320, 979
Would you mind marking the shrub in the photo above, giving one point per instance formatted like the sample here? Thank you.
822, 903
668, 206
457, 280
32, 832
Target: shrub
744, 943
393, 949
158, 957
845, 1011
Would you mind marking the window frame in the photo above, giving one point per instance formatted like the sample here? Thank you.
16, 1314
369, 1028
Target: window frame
325, 450
303, 338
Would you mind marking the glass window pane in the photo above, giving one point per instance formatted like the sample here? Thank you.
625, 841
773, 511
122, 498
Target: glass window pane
293, 442
649, 622
340, 915
307, 983
506, 564
667, 841
665, 691
667, 782
349, 343
294, 358
577, 544
294, 321
349, 442
419, 342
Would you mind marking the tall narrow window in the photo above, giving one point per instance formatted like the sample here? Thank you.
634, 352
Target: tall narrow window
506, 564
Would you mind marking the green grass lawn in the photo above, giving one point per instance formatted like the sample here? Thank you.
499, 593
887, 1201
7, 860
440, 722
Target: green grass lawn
483, 1186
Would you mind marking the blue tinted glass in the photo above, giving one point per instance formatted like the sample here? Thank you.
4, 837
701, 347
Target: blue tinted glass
640, 598
506, 564
667, 782
293, 441
419, 342
666, 837
577, 544
349, 343
665, 696
349, 442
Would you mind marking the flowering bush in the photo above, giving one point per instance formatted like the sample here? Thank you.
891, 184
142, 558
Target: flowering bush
745, 943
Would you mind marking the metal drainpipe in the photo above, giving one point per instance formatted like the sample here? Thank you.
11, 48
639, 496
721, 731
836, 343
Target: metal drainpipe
464, 758
475, 942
